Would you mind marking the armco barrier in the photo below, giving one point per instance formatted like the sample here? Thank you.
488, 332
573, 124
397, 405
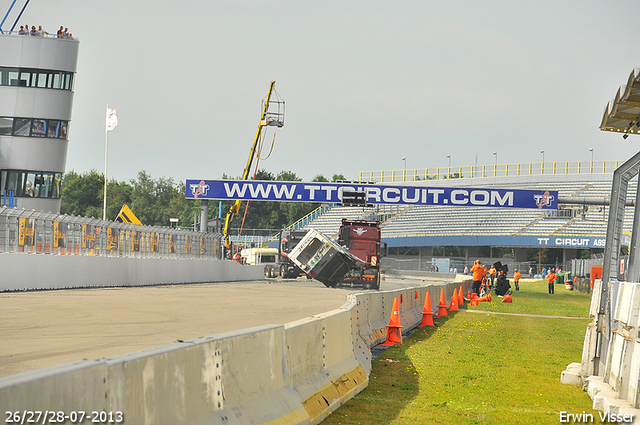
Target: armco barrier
34, 272
616, 389
292, 374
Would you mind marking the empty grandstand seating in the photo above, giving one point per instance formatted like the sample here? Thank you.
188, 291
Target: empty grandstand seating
406, 221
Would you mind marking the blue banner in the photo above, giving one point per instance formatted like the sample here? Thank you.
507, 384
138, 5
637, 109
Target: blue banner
255, 190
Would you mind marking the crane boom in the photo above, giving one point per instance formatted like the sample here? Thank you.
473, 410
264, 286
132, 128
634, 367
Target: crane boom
266, 119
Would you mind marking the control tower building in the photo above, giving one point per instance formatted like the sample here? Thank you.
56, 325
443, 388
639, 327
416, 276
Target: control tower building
36, 95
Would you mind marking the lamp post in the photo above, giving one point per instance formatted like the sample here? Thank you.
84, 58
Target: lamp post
542, 152
542, 166
404, 174
495, 167
449, 158
591, 150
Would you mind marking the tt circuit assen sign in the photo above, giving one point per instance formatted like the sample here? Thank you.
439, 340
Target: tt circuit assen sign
255, 190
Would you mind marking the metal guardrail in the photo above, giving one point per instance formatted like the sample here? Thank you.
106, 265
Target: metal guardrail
37, 232
494, 170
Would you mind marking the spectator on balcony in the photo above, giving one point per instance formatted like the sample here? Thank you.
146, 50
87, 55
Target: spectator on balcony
22, 31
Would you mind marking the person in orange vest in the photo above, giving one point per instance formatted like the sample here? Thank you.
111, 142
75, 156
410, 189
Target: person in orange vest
492, 274
550, 278
478, 271
516, 279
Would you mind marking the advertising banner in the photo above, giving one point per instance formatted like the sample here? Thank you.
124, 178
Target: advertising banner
88, 236
26, 234
154, 241
135, 240
256, 190
112, 239
59, 234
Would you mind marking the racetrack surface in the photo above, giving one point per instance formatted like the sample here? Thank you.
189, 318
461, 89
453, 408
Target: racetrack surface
46, 328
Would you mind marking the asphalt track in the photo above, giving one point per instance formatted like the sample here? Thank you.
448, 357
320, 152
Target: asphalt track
46, 328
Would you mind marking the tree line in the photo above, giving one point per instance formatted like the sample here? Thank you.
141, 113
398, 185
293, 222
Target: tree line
155, 200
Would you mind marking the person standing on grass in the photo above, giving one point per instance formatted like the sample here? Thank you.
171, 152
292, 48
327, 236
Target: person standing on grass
550, 278
492, 274
478, 271
516, 279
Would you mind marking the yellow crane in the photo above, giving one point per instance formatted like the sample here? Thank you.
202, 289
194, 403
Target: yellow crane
272, 115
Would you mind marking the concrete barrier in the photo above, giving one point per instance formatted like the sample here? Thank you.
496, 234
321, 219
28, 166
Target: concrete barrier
22, 272
615, 390
292, 374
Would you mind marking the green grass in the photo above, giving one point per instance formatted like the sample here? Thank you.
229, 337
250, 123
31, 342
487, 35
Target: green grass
534, 298
481, 368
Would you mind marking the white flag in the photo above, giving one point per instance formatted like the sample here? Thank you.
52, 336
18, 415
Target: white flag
112, 119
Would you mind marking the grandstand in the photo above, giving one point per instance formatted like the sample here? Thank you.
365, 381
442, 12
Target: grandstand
574, 226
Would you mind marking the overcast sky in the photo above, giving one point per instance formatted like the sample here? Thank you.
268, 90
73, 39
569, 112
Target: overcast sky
365, 82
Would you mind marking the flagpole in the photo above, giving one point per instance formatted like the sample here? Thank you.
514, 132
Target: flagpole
106, 150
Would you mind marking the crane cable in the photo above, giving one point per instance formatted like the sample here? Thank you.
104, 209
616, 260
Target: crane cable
255, 172
273, 141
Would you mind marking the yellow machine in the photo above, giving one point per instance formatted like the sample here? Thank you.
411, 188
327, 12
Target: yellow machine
272, 115
127, 216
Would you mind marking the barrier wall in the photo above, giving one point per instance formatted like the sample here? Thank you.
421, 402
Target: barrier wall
293, 374
32, 272
616, 388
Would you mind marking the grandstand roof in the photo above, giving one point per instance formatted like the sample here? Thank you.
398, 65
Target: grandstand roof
622, 113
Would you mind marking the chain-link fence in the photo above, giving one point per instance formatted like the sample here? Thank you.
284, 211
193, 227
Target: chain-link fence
38, 232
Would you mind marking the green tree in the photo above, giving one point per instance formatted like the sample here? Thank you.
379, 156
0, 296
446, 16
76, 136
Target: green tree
82, 194
151, 200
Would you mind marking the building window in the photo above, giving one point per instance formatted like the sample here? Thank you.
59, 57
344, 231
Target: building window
41, 78
33, 127
32, 184
6, 125
22, 127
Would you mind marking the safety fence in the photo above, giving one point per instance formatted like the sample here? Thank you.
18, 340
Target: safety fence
493, 170
37, 232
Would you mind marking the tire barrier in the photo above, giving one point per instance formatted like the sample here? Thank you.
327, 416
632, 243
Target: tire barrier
615, 389
296, 373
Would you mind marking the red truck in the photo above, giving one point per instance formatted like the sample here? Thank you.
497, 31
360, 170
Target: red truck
362, 239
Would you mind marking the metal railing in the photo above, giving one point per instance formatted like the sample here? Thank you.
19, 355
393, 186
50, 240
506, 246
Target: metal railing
493, 170
37, 232
44, 35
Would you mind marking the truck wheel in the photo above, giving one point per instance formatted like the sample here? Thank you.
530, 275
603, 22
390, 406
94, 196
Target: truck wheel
267, 271
283, 272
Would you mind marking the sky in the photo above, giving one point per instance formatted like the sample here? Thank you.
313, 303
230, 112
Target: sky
365, 83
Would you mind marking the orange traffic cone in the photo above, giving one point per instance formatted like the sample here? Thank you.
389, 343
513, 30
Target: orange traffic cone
442, 307
486, 298
454, 301
460, 298
507, 299
394, 334
427, 314
469, 295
